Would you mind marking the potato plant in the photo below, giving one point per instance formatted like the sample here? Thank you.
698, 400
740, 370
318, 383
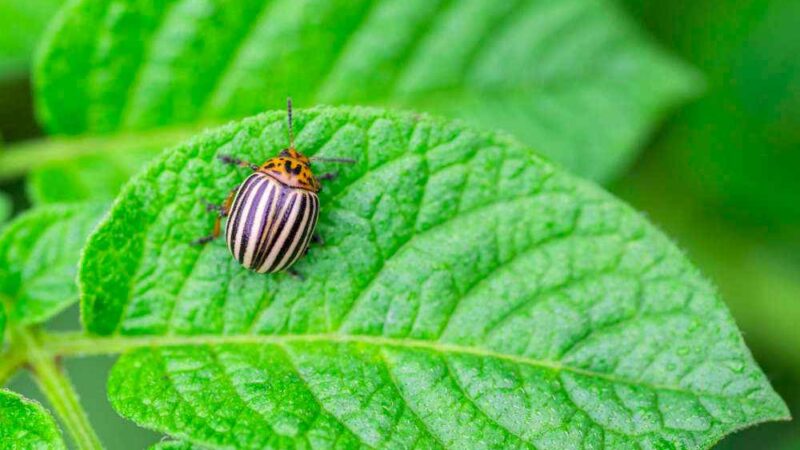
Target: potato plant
476, 287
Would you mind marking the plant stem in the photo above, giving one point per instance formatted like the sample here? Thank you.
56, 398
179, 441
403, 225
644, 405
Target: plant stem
17, 159
55, 385
9, 365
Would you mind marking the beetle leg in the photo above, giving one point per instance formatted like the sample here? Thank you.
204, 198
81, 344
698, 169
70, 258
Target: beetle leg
328, 176
293, 272
315, 238
203, 240
213, 207
222, 211
225, 208
237, 162
214, 234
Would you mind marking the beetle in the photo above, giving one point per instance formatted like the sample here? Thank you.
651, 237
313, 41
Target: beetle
272, 215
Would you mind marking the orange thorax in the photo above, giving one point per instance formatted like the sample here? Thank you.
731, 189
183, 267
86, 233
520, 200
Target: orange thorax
293, 169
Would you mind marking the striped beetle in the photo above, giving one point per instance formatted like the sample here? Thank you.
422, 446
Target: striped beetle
271, 216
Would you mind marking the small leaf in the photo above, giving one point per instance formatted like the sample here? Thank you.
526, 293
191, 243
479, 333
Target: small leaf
24, 424
468, 295
39, 253
573, 78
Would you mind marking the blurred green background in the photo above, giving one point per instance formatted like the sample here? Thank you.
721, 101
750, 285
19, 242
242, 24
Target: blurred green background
722, 178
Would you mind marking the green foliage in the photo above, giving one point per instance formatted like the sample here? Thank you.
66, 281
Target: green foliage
740, 145
26, 425
39, 252
751, 167
468, 292
23, 22
575, 79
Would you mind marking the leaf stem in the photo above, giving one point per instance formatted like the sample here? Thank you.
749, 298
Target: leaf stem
19, 158
9, 364
57, 388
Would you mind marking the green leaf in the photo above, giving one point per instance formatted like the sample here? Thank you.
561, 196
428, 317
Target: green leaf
575, 79
39, 253
25, 424
23, 23
468, 294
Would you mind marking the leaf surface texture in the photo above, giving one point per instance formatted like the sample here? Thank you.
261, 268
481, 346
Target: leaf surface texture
469, 294
25, 424
39, 253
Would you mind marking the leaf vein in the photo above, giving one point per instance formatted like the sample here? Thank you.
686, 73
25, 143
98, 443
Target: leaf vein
68, 344
458, 384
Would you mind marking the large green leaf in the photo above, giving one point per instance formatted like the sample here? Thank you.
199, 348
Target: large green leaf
573, 78
24, 424
39, 253
469, 294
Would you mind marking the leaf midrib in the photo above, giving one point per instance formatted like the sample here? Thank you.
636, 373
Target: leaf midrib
64, 344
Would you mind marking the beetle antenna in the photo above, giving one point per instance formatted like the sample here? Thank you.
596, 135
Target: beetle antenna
289, 116
335, 160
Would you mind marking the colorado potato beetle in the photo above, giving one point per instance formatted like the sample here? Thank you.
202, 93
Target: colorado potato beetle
272, 215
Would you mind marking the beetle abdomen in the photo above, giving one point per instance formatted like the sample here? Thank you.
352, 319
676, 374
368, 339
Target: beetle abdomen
270, 224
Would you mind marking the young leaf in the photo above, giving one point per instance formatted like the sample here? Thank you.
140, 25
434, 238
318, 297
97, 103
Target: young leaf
25, 424
468, 294
573, 78
39, 253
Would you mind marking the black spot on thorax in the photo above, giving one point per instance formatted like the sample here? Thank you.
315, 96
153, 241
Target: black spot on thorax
293, 170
